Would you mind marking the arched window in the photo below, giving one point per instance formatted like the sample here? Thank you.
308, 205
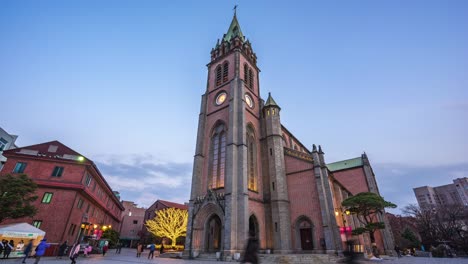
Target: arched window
217, 157
225, 71
218, 75
246, 74
250, 79
251, 160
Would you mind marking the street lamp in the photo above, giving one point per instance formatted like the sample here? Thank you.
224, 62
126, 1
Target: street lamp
346, 230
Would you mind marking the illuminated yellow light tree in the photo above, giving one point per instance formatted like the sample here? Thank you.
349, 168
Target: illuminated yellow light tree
170, 223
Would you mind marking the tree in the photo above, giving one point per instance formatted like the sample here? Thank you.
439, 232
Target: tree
442, 224
16, 195
170, 223
411, 237
367, 206
112, 235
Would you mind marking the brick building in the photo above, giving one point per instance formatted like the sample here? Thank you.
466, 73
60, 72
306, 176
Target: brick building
132, 224
252, 175
74, 199
151, 213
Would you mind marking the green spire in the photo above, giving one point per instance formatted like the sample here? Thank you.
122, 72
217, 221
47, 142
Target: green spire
234, 30
271, 102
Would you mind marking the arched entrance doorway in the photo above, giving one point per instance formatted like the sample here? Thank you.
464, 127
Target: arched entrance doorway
253, 226
304, 231
213, 234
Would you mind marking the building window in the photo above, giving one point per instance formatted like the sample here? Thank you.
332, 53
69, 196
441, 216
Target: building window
3, 143
80, 203
250, 79
37, 223
57, 171
251, 160
87, 208
88, 179
217, 157
225, 71
47, 197
19, 167
135, 222
218, 75
246, 74
71, 231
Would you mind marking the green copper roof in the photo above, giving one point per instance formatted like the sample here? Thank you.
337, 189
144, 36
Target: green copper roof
270, 101
234, 30
345, 164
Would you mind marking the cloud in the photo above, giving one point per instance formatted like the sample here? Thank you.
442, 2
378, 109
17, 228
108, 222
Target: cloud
143, 179
396, 181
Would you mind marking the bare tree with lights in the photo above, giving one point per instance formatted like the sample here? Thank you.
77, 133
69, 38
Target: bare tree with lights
170, 223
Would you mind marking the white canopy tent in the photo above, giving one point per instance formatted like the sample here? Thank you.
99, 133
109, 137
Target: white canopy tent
20, 230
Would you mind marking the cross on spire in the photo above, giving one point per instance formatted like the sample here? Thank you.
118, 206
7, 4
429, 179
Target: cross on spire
235, 9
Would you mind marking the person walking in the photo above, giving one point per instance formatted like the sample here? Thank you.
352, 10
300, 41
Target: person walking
62, 249
139, 249
2, 246
27, 250
40, 250
8, 248
251, 250
152, 247
161, 249
119, 248
104, 249
398, 251
74, 252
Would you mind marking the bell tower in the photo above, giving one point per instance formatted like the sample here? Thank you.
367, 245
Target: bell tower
226, 168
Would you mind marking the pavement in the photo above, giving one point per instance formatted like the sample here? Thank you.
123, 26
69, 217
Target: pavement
129, 256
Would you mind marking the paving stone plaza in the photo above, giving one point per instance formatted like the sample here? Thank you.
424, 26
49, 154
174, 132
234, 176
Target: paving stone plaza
128, 256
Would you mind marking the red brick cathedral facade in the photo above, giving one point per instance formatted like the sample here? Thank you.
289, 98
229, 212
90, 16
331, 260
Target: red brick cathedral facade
252, 175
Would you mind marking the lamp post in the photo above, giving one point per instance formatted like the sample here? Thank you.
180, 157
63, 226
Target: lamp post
346, 230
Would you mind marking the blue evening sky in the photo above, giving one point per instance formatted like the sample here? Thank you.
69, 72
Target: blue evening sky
121, 83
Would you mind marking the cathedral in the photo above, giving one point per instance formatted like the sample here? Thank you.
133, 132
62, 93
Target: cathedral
252, 176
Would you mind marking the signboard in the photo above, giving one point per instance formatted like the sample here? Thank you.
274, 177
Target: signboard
20, 234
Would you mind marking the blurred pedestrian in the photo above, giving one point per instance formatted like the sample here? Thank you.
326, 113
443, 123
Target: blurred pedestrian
139, 249
151, 247
251, 249
40, 250
8, 248
119, 248
2, 246
105, 248
398, 251
74, 252
161, 249
20, 246
62, 249
27, 250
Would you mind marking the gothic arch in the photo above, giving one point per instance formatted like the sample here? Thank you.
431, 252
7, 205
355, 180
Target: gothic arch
225, 71
304, 233
254, 228
252, 167
217, 156
201, 224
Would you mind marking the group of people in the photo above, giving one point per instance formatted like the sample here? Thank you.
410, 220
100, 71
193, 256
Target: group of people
151, 247
6, 248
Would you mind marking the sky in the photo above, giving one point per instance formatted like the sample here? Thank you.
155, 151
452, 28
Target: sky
121, 83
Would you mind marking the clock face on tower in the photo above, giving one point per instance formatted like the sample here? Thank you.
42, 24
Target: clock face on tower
248, 100
221, 98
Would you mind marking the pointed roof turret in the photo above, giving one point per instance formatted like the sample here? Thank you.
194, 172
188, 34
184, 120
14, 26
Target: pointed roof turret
271, 102
234, 30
